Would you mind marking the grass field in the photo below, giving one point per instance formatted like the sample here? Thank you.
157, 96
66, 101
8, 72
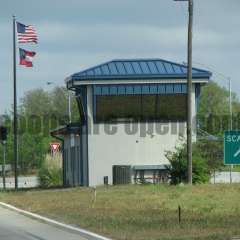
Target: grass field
148, 212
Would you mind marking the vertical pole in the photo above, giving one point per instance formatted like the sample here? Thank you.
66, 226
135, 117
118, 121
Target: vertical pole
15, 105
230, 173
179, 214
230, 104
189, 93
3, 165
69, 107
230, 118
214, 176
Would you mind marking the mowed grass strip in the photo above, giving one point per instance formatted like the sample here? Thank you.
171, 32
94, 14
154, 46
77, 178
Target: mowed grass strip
148, 212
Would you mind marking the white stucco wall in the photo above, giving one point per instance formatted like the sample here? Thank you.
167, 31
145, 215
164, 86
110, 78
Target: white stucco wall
120, 148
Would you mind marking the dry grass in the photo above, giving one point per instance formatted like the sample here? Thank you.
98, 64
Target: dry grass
50, 173
141, 212
53, 161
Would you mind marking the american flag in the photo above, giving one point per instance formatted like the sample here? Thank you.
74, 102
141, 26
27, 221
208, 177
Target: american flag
26, 33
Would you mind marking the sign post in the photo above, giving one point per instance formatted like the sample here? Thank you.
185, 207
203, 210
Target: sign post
3, 165
232, 147
3, 139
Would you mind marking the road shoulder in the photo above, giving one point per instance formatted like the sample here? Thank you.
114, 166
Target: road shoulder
80, 231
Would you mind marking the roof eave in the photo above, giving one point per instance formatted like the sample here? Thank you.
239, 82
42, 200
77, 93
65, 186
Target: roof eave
137, 77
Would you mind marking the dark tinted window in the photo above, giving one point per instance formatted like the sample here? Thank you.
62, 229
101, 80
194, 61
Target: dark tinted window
170, 107
112, 108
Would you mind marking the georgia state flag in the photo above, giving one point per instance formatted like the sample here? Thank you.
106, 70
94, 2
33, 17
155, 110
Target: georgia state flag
26, 57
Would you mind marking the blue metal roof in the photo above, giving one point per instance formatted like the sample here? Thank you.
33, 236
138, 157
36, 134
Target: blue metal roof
138, 69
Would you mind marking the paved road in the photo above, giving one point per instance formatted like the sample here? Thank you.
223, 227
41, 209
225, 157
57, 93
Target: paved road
224, 177
14, 226
23, 182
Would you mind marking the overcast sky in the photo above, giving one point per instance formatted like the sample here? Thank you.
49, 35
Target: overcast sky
76, 34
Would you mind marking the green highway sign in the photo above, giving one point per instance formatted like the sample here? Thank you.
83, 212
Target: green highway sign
231, 147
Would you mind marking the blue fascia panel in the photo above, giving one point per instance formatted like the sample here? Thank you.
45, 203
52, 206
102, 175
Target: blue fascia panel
134, 89
129, 89
98, 90
162, 88
177, 88
137, 89
145, 89
121, 90
105, 90
154, 88
184, 88
169, 88
113, 90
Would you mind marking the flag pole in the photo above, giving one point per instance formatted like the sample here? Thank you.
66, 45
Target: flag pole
15, 106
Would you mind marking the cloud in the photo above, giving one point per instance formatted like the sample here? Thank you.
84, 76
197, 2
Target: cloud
93, 11
109, 37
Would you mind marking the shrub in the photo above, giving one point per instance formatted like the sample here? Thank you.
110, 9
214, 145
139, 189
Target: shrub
50, 173
212, 152
178, 169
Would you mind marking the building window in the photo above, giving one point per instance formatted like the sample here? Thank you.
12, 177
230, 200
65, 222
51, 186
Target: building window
172, 107
140, 103
148, 107
118, 108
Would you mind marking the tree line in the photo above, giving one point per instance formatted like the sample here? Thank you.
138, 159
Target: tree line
39, 111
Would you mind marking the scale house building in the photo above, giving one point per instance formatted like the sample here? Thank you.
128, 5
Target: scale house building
132, 112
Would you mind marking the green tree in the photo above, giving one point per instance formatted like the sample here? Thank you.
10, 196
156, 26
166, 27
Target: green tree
60, 104
213, 114
39, 112
179, 166
214, 119
36, 102
212, 152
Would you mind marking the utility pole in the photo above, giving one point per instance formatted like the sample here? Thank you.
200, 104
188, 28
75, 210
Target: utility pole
189, 90
189, 93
